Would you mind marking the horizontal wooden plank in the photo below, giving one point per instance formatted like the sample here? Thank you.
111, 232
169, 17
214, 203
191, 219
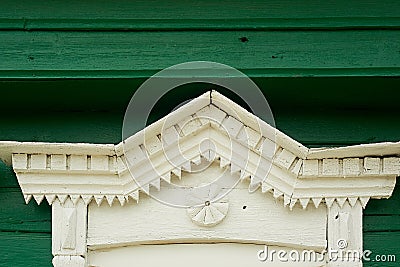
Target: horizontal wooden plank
7, 177
257, 73
378, 223
279, 227
153, 24
15, 215
137, 54
179, 255
61, 127
344, 127
193, 9
382, 243
230, 14
25, 249
385, 206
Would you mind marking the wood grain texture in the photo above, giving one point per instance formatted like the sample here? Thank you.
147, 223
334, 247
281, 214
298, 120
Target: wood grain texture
140, 54
159, 15
345, 223
206, 9
368, 112
381, 223
180, 255
69, 227
22, 249
385, 206
16, 216
31, 218
113, 226
382, 243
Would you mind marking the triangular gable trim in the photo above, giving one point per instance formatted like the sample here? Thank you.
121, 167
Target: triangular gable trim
298, 175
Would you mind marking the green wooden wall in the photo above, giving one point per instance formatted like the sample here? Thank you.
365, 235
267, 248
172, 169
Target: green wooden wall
329, 69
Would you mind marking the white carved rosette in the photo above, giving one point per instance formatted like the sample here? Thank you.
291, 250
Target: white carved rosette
209, 214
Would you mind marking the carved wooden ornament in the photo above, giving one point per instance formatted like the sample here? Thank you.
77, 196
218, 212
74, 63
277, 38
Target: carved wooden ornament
309, 199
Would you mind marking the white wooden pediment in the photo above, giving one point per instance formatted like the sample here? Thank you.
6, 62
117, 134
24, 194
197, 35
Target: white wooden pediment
283, 194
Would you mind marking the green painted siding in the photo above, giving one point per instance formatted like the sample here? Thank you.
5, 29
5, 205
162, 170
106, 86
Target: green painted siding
68, 70
59, 39
132, 54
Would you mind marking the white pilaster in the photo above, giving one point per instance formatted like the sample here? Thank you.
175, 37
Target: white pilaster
69, 227
345, 235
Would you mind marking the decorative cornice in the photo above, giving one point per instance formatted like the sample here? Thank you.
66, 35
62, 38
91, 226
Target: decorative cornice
296, 174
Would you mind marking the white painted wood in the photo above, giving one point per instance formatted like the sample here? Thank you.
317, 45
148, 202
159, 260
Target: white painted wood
234, 110
69, 261
38, 198
105, 180
171, 119
364, 150
69, 228
285, 158
391, 165
99, 163
268, 148
189, 125
209, 214
295, 168
58, 162
78, 162
232, 126
211, 114
153, 144
351, 167
170, 136
20, 161
38, 161
249, 136
251, 218
7, 148
310, 167
183, 255
330, 167
253, 122
335, 189
372, 165
345, 234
